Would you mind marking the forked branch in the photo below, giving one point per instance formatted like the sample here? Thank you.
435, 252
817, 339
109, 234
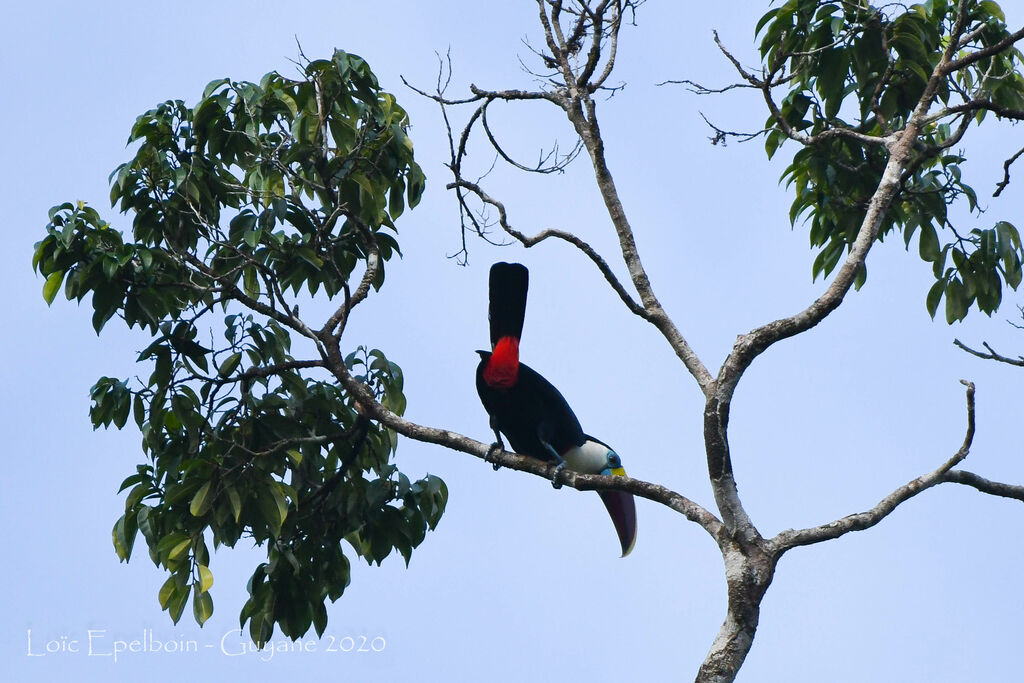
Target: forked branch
991, 355
570, 88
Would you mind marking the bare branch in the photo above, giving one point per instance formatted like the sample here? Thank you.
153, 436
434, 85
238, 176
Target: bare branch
766, 84
557, 167
596, 17
740, 69
698, 89
722, 136
994, 488
991, 355
864, 520
340, 316
1006, 172
438, 97
584, 120
515, 94
572, 239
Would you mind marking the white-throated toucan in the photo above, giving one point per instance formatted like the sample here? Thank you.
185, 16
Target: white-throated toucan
530, 411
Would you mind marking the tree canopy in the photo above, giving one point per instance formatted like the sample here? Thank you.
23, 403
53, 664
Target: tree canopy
241, 438
854, 77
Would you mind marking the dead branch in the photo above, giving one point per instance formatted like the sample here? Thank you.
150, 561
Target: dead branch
1006, 173
991, 355
572, 239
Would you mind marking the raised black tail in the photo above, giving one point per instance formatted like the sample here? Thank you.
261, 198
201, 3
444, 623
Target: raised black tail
508, 285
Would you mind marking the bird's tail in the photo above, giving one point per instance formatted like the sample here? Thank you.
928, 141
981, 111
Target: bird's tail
508, 285
509, 282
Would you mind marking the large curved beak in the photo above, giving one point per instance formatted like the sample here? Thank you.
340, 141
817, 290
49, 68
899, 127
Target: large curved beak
622, 509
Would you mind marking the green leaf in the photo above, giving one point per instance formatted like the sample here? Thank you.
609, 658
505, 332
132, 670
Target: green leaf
1012, 268
205, 578
146, 524
201, 501
230, 364
260, 629
136, 495
52, 286
170, 540
956, 301
168, 590
123, 538
202, 607
928, 246
270, 507
280, 501
177, 603
309, 256
131, 480
319, 618
992, 9
236, 502
214, 85
772, 141
250, 282
764, 20
934, 296
177, 550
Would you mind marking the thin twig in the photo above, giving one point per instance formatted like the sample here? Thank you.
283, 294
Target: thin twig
991, 355
1006, 173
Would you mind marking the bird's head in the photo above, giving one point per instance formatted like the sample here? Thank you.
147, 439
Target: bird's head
595, 457
613, 464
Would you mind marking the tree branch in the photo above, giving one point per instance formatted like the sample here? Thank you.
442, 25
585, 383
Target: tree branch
900, 146
572, 239
991, 355
993, 49
266, 371
994, 488
765, 85
574, 99
583, 115
523, 463
1006, 173
789, 539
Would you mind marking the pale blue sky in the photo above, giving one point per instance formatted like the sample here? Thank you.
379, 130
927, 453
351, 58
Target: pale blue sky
520, 581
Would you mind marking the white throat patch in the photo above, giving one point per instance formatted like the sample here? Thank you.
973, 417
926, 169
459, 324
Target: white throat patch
590, 458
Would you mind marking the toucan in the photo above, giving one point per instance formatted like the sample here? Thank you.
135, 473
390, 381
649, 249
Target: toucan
531, 412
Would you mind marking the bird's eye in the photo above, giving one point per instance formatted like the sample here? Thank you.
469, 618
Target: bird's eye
613, 459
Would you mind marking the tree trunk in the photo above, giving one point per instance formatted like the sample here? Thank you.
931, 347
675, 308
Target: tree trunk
748, 574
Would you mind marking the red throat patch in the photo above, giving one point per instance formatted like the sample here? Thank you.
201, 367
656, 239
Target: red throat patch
502, 370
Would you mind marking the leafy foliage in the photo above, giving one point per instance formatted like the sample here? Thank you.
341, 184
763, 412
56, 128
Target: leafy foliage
238, 203
855, 75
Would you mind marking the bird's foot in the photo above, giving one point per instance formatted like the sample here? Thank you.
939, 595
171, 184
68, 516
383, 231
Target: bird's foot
559, 468
495, 448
